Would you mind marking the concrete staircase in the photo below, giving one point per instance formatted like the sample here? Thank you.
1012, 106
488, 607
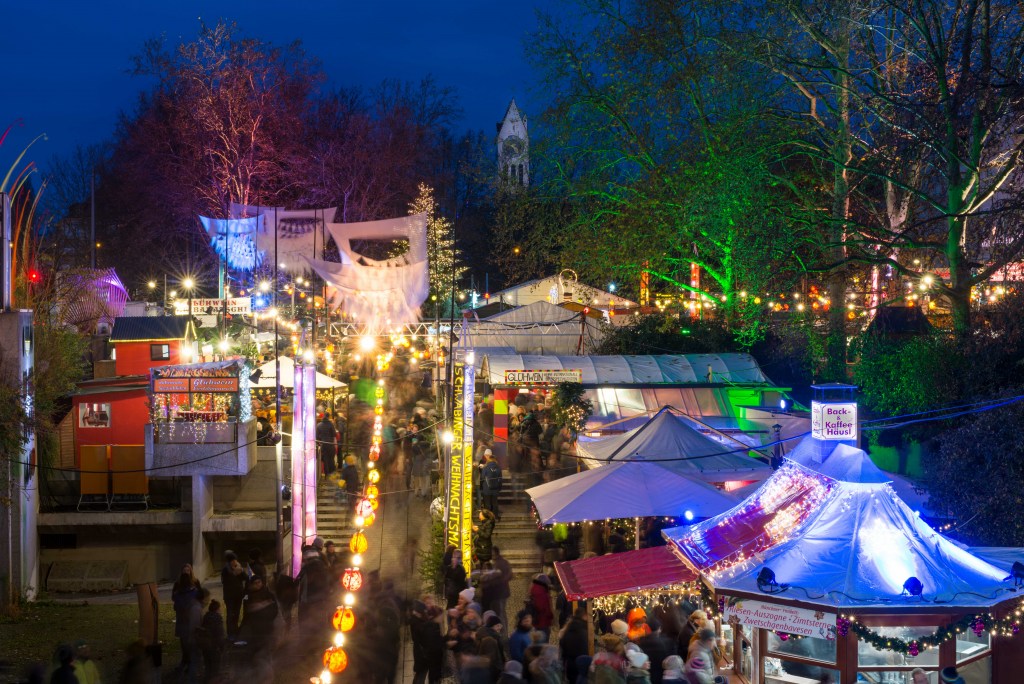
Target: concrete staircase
333, 519
517, 529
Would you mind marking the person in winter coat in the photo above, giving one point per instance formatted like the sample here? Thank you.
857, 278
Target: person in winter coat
211, 637
314, 583
636, 619
609, 665
65, 673
700, 661
350, 474
639, 668
547, 667
572, 640
490, 483
658, 647
85, 667
512, 673
520, 640
694, 623
482, 532
540, 604
673, 669
233, 579
454, 577
258, 613
427, 645
184, 594
326, 442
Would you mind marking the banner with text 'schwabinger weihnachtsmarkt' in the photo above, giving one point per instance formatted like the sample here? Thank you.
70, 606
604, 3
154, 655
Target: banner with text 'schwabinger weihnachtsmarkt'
459, 523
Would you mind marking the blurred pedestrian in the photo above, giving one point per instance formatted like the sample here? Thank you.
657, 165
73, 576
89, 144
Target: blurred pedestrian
233, 578
540, 604
65, 672
85, 666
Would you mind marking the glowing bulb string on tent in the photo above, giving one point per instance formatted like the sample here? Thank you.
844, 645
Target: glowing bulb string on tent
335, 659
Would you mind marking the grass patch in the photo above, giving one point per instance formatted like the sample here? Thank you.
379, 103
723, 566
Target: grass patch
33, 636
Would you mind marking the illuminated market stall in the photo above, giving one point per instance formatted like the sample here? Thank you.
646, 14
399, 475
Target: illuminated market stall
819, 575
200, 403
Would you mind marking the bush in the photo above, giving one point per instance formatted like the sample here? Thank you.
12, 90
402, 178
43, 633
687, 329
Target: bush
976, 476
659, 333
431, 572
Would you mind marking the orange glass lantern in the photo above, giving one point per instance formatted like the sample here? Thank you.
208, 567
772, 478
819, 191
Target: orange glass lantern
368, 519
344, 619
364, 508
358, 544
374, 503
335, 659
372, 492
352, 579
373, 476
379, 410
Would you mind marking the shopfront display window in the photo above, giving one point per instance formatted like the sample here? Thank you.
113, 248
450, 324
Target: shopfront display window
868, 655
970, 645
779, 671
812, 648
977, 672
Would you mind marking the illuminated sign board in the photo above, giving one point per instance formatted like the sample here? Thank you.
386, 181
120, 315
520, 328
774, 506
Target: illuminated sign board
834, 422
543, 377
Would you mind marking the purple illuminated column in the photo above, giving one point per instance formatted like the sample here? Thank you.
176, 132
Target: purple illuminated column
303, 461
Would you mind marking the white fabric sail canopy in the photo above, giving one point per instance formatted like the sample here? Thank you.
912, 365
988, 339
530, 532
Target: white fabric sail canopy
378, 293
626, 490
268, 379
669, 441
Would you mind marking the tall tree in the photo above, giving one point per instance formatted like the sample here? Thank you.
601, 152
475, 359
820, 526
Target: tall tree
444, 262
663, 137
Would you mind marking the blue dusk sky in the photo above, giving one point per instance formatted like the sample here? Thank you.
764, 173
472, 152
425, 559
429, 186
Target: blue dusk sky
66, 61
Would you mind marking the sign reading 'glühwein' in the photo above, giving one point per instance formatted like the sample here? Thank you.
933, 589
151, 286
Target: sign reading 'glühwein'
543, 377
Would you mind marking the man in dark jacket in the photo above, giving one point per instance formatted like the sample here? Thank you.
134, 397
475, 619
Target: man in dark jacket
490, 483
233, 579
657, 647
427, 645
65, 674
326, 442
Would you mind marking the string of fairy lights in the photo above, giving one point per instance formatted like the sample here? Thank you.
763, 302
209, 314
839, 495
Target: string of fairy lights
335, 659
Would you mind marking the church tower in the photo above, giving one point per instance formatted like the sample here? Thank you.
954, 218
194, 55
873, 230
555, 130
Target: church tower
513, 148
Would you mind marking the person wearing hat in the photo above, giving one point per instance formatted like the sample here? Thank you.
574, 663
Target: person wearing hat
512, 673
700, 664
65, 672
609, 665
85, 666
490, 483
233, 579
540, 603
639, 668
949, 675
658, 647
620, 629
673, 669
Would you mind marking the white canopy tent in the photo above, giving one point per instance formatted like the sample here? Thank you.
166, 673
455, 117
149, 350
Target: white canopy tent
538, 328
836, 543
671, 442
268, 378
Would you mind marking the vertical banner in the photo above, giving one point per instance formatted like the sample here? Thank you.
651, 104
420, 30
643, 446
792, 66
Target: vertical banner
304, 462
459, 520
469, 380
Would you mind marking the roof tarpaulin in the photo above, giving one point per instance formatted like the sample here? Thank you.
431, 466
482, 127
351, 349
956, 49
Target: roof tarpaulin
667, 369
668, 436
838, 544
621, 573
626, 490
843, 462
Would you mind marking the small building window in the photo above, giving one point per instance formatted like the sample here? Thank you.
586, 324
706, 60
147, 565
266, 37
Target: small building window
94, 415
521, 174
159, 352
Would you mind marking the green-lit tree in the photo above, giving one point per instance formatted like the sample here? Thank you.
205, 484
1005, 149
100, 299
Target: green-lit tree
444, 262
665, 142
